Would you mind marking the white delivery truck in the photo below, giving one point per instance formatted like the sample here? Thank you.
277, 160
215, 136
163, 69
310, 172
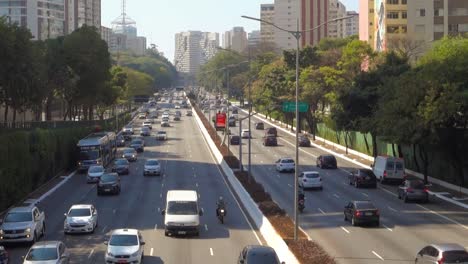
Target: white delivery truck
182, 213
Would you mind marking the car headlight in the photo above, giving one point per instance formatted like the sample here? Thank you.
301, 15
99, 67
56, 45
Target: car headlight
133, 156
28, 230
110, 254
135, 254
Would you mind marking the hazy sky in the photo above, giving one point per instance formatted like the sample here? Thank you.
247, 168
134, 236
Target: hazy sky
159, 20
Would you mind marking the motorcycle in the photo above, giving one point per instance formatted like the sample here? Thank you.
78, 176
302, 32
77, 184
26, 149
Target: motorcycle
301, 205
221, 214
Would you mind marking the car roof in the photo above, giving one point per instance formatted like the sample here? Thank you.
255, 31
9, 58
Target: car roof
125, 231
448, 246
260, 249
46, 244
184, 195
283, 158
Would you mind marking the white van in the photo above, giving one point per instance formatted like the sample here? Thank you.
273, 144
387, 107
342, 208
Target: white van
182, 213
388, 168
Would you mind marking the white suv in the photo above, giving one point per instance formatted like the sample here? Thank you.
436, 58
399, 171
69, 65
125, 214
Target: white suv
125, 246
25, 223
285, 164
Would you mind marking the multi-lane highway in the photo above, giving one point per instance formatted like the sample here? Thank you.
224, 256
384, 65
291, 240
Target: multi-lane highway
186, 164
404, 228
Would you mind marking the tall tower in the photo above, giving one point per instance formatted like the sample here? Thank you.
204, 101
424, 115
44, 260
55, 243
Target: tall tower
124, 24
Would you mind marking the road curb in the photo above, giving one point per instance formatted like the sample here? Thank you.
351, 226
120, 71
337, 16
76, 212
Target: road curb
263, 224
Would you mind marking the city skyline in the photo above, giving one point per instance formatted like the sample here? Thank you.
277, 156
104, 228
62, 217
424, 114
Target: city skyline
159, 23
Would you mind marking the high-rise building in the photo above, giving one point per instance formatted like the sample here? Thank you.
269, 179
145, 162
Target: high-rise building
44, 19
254, 38
137, 45
287, 16
366, 20
313, 14
351, 24
235, 39
336, 29
193, 49
267, 13
82, 12
106, 34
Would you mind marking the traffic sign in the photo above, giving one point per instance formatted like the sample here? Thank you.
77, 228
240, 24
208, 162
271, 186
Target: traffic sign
291, 107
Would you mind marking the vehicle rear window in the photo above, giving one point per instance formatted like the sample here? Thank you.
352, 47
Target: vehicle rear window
455, 256
312, 175
108, 178
96, 169
390, 165
262, 258
287, 161
364, 205
367, 173
329, 158
399, 166
129, 151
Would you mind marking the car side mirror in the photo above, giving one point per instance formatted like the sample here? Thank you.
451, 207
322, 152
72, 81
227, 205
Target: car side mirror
200, 213
106, 242
65, 214
241, 261
63, 256
163, 211
142, 243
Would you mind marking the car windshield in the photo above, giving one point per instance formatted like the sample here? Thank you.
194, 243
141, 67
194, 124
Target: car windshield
136, 142
455, 256
182, 208
312, 175
42, 254
18, 217
367, 173
108, 178
128, 127
121, 162
364, 205
399, 165
287, 161
89, 154
262, 258
123, 240
80, 212
96, 169
417, 184
129, 151
152, 163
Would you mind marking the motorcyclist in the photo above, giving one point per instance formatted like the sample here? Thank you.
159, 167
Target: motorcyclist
220, 204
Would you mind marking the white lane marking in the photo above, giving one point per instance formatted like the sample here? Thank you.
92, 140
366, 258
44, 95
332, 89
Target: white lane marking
203, 211
155, 226
365, 194
377, 255
159, 209
336, 195
277, 175
104, 229
393, 209
290, 185
196, 184
91, 253
445, 217
388, 191
211, 251
162, 185
321, 211
206, 227
388, 228
151, 251
198, 196
344, 229
114, 211
160, 195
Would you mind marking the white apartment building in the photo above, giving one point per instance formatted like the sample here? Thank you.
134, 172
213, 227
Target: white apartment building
336, 29
267, 13
287, 15
352, 24
235, 39
193, 49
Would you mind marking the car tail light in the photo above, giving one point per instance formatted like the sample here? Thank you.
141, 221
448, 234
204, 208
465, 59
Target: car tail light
357, 213
384, 173
441, 261
426, 190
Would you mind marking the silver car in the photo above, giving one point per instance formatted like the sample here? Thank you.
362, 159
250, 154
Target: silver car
94, 173
125, 246
145, 131
442, 253
81, 218
47, 252
152, 167
413, 190
130, 154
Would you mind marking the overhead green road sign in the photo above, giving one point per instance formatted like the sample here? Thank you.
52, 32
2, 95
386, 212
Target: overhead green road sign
291, 107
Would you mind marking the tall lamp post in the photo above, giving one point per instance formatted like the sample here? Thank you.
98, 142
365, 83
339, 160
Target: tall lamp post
297, 35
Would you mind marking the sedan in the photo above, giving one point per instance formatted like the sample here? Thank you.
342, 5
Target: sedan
258, 254
145, 131
188, 113
152, 167
326, 161
235, 140
413, 190
442, 253
137, 145
120, 141
285, 164
127, 130
129, 154
259, 126
121, 166
360, 212
176, 118
363, 177
50, 252
310, 179
81, 218
304, 141
270, 141
94, 173
165, 123
125, 246
109, 183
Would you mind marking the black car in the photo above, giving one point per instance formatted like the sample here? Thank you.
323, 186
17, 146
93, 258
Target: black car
121, 166
4, 258
232, 121
235, 140
255, 254
271, 131
304, 141
120, 141
137, 145
270, 141
326, 161
109, 183
363, 177
362, 212
259, 126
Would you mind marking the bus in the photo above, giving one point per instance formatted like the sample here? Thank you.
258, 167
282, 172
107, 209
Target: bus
96, 149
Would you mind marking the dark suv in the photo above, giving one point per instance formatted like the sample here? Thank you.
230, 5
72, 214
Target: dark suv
304, 141
363, 177
259, 126
326, 161
271, 131
270, 141
109, 183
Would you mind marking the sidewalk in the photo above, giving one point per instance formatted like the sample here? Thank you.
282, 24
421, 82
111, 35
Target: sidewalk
443, 190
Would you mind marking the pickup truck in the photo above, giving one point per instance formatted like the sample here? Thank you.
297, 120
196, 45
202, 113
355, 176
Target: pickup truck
25, 223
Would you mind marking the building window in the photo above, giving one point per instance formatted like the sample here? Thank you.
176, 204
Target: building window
421, 12
392, 15
392, 29
463, 27
404, 29
371, 10
403, 2
453, 28
458, 12
439, 12
392, 2
404, 15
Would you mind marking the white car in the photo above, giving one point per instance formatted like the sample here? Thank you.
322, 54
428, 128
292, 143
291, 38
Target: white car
165, 116
152, 167
245, 133
310, 179
127, 130
148, 124
177, 107
94, 173
125, 246
81, 218
285, 164
162, 135
47, 252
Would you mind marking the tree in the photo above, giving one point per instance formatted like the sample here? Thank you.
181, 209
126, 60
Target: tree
139, 83
307, 56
